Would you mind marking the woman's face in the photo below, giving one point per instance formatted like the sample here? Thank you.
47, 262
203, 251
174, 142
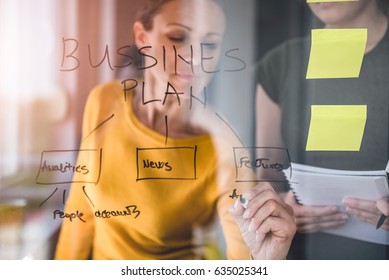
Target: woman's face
179, 26
340, 13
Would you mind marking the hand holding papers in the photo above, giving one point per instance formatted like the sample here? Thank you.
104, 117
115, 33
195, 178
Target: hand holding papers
320, 186
311, 219
383, 206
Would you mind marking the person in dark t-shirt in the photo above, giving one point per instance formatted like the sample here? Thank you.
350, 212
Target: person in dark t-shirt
283, 101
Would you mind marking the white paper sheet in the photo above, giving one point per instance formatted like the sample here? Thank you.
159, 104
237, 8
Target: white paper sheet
321, 186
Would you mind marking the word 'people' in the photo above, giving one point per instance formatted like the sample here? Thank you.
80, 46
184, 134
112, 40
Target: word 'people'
70, 216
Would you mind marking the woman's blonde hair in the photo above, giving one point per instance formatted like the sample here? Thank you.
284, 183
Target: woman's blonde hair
151, 8
148, 11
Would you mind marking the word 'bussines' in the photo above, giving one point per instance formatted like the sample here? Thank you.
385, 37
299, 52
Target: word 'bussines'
71, 59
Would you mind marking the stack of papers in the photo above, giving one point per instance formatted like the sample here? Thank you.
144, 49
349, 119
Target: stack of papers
321, 186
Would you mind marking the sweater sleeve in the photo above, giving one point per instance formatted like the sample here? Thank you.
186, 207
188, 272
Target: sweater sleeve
236, 248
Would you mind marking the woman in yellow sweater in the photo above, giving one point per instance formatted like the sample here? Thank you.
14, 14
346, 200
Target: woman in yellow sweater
164, 173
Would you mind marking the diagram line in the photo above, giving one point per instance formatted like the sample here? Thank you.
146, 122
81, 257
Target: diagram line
48, 197
166, 130
97, 127
241, 142
83, 189
64, 197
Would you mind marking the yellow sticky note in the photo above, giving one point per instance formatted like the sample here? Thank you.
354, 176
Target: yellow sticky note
336, 127
316, 1
336, 53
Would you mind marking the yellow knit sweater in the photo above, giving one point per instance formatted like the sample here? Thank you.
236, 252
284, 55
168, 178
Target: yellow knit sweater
153, 200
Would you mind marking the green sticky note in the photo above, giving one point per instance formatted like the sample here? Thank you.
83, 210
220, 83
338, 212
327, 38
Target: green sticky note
336, 53
316, 1
336, 127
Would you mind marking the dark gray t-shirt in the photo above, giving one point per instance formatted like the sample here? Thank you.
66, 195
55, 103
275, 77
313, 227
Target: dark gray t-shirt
282, 74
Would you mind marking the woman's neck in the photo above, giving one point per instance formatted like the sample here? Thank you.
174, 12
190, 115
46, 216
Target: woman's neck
375, 22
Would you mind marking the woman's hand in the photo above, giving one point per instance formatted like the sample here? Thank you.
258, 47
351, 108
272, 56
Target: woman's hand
311, 219
367, 210
267, 225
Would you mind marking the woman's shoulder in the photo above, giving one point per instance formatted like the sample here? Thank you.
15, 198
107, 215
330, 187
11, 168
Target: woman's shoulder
102, 100
290, 49
106, 91
280, 64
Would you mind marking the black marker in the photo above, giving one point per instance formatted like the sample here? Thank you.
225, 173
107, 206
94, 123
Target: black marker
243, 201
381, 221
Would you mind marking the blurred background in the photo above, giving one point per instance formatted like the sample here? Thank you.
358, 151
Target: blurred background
43, 92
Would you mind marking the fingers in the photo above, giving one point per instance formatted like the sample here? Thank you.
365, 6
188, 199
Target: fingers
277, 226
280, 239
273, 227
361, 205
315, 227
269, 209
368, 211
260, 196
362, 215
237, 211
315, 212
267, 225
337, 217
330, 219
309, 211
290, 199
262, 188
383, 206
369, 218
264, 204
385, 225
311, 219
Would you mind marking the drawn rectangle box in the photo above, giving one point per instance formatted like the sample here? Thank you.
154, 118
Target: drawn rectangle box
267, 165
61, 167
170, 163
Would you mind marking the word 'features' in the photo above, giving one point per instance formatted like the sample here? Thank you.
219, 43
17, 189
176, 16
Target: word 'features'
268, 164
260, 163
